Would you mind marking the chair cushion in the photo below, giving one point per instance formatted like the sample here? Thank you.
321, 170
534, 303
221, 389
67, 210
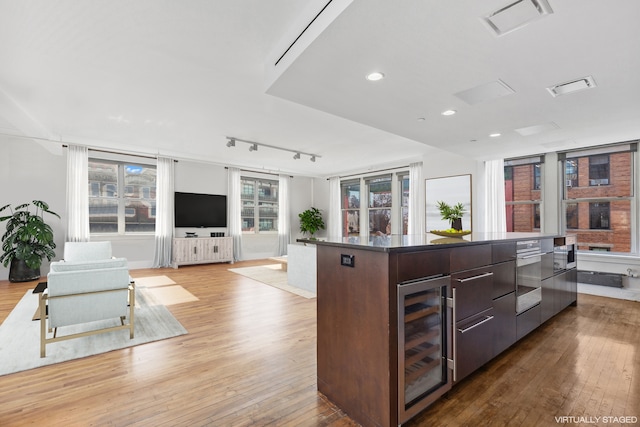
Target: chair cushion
60, 266
87, 251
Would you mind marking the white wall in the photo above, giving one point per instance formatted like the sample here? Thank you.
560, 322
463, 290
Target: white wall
28, 171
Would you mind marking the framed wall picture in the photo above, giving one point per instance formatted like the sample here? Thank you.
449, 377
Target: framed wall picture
451, 190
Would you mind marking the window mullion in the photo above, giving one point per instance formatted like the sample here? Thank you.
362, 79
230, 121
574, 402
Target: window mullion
121, 200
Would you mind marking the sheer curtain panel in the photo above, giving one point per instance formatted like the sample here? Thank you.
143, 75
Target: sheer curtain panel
164, 212
335, 208
416, 200
235, 207
284, 225
495, 219
77, 194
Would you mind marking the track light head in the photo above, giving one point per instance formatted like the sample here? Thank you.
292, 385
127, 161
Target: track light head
296, 156
313, 158
231, 143
253, 147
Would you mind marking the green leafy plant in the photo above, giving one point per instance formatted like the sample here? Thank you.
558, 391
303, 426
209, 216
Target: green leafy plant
451, 213
27, 237
311, 221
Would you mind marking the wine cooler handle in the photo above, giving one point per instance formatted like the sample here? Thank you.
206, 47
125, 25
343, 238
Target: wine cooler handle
455, 337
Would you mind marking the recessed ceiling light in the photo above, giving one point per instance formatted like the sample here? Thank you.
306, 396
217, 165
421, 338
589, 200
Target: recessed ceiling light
421, 119
494, 135
448, 112
375, 76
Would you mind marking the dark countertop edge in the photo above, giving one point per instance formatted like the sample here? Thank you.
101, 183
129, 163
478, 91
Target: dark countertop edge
429, 246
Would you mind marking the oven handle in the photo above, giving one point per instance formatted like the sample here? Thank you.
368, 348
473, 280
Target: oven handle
479, 276
485, 320
530, 256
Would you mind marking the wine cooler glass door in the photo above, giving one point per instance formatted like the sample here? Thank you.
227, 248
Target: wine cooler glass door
423, 374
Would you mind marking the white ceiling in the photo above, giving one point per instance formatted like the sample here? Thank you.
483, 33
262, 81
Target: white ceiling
177, 77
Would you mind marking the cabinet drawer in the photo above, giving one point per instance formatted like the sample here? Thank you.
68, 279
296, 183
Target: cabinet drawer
527, 321
474, 343
466, 258
501, 252
504, 278
504, 309
415, 265
473, 292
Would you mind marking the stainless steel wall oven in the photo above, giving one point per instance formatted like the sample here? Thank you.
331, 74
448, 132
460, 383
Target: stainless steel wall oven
528, 274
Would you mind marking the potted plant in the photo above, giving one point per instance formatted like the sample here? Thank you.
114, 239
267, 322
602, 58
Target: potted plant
27, 240
453, 214
311, 221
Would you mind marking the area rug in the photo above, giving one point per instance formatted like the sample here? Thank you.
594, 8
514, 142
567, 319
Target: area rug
20, 336
272, 275
164, 290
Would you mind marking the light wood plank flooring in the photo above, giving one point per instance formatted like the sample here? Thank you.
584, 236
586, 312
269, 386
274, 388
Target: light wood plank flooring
250, 358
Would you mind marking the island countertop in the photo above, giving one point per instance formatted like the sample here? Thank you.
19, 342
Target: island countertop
401, 243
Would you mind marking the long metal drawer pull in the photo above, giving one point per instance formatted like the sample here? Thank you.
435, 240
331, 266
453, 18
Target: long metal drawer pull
479, 276
486, 319
455, 338
530, 256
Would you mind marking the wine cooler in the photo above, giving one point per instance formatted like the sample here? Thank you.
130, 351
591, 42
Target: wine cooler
423, 344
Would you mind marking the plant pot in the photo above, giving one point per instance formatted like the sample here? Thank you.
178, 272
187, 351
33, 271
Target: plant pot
19, 272
456, 224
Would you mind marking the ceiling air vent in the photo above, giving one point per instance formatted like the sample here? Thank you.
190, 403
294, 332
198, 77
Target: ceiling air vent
516, 15
572, 86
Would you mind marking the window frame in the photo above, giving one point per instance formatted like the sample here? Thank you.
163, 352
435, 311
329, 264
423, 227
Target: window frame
122, 198
537, 205
607, 195
257, 204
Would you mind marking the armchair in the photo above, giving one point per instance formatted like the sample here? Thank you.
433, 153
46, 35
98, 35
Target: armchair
89, 285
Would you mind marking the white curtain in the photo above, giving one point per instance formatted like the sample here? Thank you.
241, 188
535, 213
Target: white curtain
335, 208
284, 225
495, 219
164, 212
235, 207
77, 194
416, 200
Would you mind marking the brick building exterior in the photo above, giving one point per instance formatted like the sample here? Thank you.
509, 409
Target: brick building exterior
603, 224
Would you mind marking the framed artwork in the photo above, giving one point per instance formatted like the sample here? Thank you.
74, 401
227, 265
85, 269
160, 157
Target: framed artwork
451, 190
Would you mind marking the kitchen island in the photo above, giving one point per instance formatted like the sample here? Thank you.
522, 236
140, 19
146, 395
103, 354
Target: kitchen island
401, 319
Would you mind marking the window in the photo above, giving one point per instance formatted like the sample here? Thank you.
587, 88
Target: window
571, 173
599, 209
379, 208
523, 193
404, 207
536, 176
350, 204
259, 199
599, 170
599, 216
572, 216
122, 197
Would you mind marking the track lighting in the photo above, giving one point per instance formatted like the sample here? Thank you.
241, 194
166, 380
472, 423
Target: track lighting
253, 146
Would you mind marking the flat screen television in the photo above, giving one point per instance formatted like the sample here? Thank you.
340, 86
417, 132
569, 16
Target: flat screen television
200, 210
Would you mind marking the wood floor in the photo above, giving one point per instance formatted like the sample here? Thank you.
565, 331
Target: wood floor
249, 359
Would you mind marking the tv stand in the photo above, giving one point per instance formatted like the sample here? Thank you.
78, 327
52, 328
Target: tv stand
201, 250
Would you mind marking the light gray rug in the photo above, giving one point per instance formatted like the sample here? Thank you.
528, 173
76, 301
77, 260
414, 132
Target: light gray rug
20, 336
272, 275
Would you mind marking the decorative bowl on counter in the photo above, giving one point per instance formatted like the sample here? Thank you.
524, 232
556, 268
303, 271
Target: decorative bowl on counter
447, 233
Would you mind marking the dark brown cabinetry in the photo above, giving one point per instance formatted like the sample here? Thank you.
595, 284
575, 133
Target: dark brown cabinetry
395, 325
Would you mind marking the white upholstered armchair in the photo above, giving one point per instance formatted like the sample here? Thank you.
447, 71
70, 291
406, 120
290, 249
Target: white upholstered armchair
89, 285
